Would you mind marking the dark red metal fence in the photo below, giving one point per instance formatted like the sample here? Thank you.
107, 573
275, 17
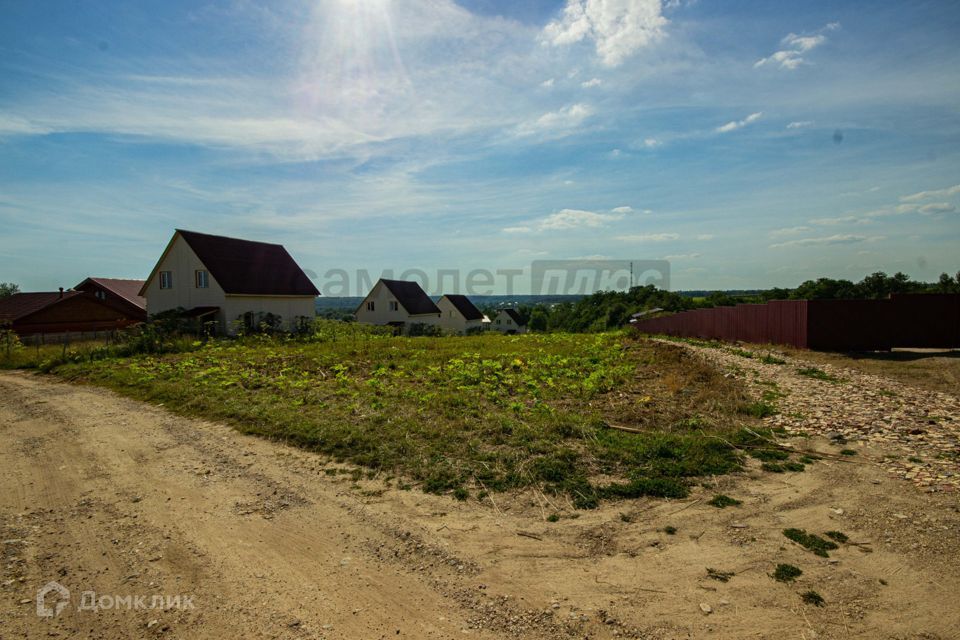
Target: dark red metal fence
913, 320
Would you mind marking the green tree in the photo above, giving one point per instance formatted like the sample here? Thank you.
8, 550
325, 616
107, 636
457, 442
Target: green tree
8, 289
538, 319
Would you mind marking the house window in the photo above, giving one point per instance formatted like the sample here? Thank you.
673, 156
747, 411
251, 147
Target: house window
451, 314
508, 321
100, 295
370, 306
166, 279
394, 305
203, 280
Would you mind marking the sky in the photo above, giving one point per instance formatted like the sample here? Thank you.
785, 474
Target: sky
750, 144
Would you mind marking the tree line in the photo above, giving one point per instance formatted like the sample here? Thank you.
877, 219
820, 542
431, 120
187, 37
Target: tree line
611, 309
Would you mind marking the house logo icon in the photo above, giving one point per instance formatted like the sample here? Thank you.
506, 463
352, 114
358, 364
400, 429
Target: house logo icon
50, 591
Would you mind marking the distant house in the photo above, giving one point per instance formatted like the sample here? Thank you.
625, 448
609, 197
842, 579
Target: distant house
125, 293
230, 282
508, 321
459, 315
398, 303
62, 314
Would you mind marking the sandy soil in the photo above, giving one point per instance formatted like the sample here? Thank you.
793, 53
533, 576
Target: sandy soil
104, 494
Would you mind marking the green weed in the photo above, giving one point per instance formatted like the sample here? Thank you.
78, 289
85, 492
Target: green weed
837, 535
721, 501
721, 576
811, 542
818, 374
786, 573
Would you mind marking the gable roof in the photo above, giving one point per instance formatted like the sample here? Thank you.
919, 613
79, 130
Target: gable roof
411, 297
19, 305
129, 290
463, 304
515, 315
246, 267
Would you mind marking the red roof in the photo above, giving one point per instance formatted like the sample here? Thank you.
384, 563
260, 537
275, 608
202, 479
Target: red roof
129, 290
18, 305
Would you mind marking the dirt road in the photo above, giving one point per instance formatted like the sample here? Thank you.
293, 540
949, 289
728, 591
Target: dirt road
107, 495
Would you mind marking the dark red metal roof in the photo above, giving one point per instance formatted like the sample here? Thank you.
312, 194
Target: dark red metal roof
23, 304
463, 304
249, 267
411, 297
129, 290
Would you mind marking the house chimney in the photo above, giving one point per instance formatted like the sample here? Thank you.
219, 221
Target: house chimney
61, 292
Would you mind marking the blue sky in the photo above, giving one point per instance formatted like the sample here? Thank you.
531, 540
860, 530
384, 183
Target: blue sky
752, 144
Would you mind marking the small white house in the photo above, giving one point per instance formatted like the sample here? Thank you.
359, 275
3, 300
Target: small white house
229, 281
398, 303
459, 315
508, 321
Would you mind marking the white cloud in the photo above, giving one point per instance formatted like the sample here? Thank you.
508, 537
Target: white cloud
829, 222
562, 121
651, 143
517, 229
618, 28
790, 56
593, 82
738, 124
826, 240
788, 231
800, 124
546, 84
926, 195
14, 125
651, 237
938, 207
682, 256
577, 218
624, 209
705, 236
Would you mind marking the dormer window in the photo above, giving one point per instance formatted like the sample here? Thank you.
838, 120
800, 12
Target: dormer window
202, 279
166, 279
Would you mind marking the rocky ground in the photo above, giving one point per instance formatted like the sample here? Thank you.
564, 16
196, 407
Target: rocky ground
918, 429
107, 495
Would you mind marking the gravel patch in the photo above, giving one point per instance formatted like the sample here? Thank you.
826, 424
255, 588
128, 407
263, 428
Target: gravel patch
919, 430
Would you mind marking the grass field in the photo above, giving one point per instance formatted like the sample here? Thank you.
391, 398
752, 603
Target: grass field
465, 415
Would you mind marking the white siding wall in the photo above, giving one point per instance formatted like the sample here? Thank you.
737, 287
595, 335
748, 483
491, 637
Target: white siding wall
287, 307
452, 320
503, 322
183, 263
381, 297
